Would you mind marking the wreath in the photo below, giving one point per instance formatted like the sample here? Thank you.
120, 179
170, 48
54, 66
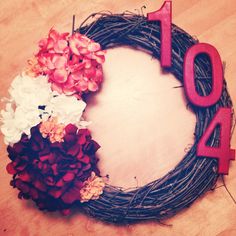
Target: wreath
53, 155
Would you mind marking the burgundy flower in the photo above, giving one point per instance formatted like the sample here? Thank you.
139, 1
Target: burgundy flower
52, 174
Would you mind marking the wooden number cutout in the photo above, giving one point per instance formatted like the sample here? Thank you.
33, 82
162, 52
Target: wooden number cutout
164, 15
223, 152
217, 75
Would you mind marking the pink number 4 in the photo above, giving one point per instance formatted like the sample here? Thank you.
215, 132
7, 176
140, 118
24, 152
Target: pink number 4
223, 152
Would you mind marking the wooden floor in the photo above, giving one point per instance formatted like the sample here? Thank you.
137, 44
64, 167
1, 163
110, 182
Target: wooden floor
23, 23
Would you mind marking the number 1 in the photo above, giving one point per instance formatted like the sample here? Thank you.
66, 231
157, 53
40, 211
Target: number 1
164, 15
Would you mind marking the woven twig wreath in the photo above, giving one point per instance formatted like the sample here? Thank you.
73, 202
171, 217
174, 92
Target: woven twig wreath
52, 153
193, 176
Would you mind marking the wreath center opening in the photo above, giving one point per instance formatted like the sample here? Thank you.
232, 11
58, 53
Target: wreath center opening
140, 119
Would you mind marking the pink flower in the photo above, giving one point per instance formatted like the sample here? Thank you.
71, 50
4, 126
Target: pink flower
81, 45
92, 188
55, 42
73, 64
53, 130
33, 69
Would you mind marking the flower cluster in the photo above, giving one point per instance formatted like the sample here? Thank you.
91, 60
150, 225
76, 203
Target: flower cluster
50, 128
31, 102
72, 63
46, 172
92, 188
22, 109
52, 153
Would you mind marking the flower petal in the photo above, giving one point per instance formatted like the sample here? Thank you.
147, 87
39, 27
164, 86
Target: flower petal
10, 169
60, 76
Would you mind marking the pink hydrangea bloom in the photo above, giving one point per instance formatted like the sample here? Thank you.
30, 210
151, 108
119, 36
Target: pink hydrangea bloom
72, 63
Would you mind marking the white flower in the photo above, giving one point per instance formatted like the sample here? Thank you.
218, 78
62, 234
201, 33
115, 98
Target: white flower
26, 95
31, 101
11, 134
30, 92
67, 109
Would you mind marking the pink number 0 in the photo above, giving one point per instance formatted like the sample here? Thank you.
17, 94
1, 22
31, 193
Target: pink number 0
223, 116
217, 75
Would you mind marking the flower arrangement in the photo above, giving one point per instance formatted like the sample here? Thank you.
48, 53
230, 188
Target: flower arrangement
53, 156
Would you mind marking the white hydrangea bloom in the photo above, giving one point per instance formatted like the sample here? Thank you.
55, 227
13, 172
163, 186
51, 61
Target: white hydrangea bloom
22, 112
11, 133
66, 108
31, 101
30, 92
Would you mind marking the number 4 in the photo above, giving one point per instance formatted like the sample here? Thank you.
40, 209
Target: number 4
223, 152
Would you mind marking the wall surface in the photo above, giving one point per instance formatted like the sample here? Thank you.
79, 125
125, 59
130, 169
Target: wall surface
142, 137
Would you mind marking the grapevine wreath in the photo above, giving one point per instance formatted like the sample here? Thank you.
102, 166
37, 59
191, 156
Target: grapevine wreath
53, 155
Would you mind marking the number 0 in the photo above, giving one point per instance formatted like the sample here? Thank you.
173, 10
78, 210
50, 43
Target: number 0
217, 75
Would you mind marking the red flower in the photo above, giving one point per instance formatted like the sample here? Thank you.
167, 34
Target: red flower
73, 64
55, 42
53, 174
82, 45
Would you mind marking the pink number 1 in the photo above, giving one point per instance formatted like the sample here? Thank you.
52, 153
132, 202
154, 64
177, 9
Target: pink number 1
164, 15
